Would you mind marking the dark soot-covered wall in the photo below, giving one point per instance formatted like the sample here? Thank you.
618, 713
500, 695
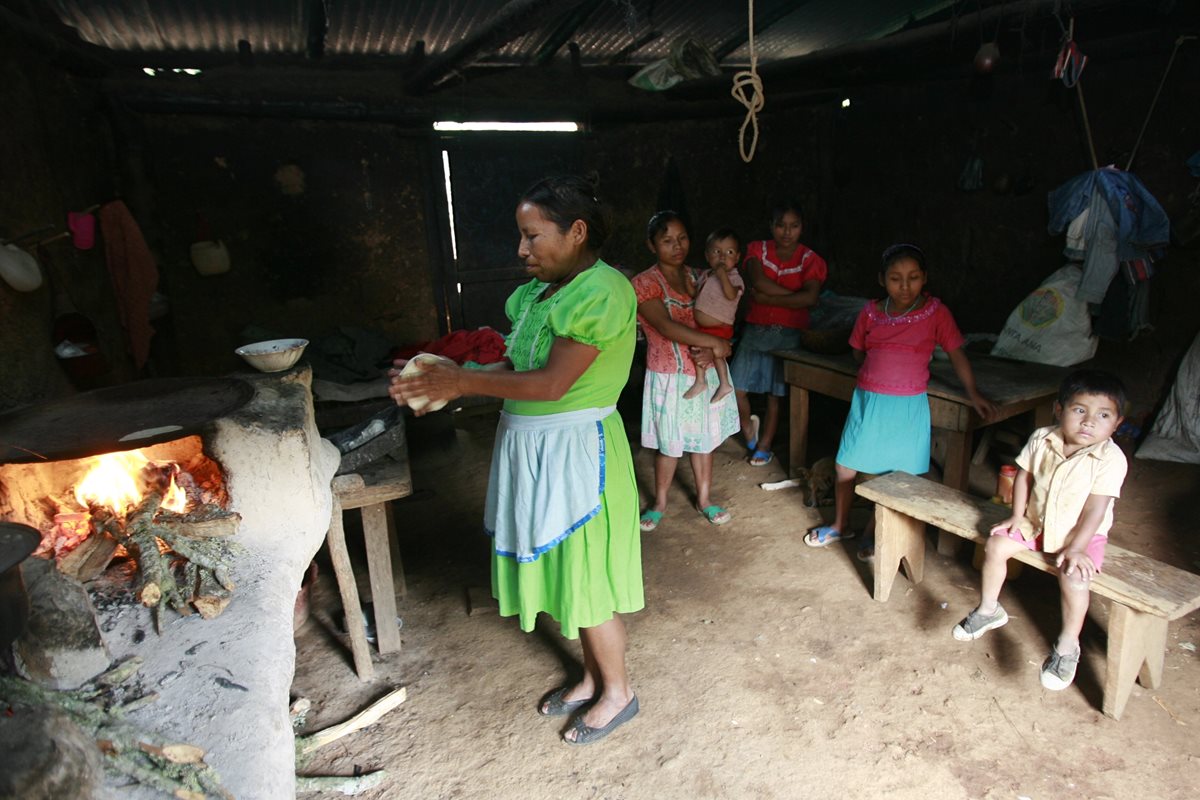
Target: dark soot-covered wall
886, 169
325, 223
57, 157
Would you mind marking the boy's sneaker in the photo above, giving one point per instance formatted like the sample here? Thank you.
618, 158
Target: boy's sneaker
975, 624
1058, 671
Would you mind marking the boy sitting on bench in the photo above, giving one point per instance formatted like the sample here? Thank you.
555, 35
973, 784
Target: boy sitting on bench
1069, 475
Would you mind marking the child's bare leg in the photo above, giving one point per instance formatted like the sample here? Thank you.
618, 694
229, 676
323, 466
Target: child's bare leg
699, 386
725, 386
1076, 595
999, 550
989, 614
743, 404
843, 497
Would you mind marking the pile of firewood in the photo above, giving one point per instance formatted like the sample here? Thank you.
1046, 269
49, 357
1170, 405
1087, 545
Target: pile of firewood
183, 559
176, 769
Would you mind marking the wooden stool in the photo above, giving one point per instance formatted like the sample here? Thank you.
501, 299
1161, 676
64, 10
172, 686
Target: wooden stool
371, 489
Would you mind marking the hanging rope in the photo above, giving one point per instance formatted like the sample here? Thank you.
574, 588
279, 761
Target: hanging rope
755, 100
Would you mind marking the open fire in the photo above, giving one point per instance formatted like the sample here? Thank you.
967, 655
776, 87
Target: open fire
112, 485
163, 506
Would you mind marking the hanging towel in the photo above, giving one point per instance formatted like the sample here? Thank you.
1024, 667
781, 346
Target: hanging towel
134, 276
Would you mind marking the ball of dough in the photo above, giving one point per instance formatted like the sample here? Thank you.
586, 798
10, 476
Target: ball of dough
415, 366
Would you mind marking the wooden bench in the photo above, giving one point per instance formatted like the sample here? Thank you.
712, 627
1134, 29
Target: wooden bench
1145, 594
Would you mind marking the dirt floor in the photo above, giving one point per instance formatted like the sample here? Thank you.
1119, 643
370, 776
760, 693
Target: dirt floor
764, 668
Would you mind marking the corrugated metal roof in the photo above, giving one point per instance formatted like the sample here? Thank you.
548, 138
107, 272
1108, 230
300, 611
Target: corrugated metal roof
358, 28
187, 26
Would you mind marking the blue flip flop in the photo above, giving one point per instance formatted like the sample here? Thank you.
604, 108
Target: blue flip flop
752, 442
825, 536
760, 458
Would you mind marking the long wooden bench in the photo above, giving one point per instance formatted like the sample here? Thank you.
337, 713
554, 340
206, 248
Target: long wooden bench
1145, 594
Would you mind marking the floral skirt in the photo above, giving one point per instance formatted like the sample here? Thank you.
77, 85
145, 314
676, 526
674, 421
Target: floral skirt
673, 425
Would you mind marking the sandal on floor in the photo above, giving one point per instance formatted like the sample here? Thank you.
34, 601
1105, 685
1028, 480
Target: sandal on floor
825, 536
716, 515
650, 519
752, 440
760, 458
586, 734
556, 706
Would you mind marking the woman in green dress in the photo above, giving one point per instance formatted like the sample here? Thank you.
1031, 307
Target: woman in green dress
562, 503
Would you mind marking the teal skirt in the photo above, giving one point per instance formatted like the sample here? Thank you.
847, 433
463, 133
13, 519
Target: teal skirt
886, 433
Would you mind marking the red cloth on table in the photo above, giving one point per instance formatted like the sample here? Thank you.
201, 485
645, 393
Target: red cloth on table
483, 346
134, 276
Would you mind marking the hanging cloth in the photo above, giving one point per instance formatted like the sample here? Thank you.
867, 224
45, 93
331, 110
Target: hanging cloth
134, 276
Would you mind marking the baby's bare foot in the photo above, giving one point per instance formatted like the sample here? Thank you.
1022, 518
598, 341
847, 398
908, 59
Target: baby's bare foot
698, 388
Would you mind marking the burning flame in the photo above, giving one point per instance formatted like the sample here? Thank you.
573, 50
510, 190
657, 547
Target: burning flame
114, 483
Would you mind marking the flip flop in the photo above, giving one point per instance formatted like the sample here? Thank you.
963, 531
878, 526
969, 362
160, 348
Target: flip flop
556, 706
716, 515
586, 734
825, 536
649, 520
752, 442
760, 458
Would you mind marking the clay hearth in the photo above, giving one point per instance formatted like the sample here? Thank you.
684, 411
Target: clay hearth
224, 682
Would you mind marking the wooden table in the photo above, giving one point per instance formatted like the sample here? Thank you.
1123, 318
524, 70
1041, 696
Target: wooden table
1016, 387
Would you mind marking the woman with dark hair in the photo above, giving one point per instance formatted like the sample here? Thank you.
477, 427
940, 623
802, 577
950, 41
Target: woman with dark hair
784, 279
562, 503
672, 422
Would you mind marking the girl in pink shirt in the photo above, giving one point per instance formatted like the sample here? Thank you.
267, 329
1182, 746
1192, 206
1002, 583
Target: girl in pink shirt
888, 426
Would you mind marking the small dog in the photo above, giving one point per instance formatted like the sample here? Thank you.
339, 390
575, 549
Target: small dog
819, 480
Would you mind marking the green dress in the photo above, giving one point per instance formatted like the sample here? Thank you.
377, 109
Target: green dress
597, 570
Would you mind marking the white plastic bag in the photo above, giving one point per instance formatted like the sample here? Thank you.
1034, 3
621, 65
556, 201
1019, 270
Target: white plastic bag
1050, 326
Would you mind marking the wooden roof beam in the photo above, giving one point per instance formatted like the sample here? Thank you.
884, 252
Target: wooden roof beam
566, 27
512, 20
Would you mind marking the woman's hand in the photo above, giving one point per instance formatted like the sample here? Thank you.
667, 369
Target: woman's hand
436, 381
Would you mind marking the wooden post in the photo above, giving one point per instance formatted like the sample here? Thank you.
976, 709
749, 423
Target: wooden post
798, 422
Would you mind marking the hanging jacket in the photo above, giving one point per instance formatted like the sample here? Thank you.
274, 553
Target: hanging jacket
1124, 223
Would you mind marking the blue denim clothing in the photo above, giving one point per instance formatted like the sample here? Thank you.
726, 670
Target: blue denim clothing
1124, 222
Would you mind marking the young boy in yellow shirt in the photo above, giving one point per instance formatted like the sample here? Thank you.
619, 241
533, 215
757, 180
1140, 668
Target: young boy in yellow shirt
1069, 476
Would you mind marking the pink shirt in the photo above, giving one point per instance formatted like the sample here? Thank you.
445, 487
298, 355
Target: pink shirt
804, 266
711, 298
662, 354
899, 348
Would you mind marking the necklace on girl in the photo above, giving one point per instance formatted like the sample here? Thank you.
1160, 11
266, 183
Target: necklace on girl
888, 303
